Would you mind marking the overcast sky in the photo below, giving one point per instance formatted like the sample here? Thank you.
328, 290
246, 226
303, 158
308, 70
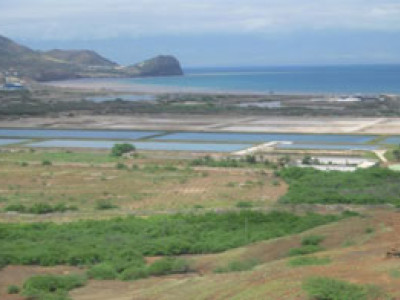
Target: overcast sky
213, 32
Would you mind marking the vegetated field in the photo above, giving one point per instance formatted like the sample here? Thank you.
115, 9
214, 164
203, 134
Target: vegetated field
144, 184
357, 256
222, 254
116, 248
364, 186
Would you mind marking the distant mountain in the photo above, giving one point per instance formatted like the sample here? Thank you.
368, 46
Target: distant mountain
80, 57
70, 64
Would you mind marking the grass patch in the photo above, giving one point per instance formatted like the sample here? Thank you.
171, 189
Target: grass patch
103, 271
364, 186
244, 204
331, 289
13, 289
309, 261
309, 245
303, 250
105, 205
168, 265
39, 208
52, 287
312, 240
238, 266
59, 156
394, 273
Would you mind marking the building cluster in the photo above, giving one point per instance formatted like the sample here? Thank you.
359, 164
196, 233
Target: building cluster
358, 98
344, 164
11, 81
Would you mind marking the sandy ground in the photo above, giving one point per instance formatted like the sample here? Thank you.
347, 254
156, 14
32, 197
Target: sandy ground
216, 123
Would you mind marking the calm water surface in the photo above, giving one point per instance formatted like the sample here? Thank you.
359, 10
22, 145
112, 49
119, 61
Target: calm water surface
143, 145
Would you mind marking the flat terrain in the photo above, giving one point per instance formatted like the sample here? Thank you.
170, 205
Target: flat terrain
142, 185
227, 123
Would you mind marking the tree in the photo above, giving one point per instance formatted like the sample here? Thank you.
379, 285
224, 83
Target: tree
121, 149
396, 153
307, 160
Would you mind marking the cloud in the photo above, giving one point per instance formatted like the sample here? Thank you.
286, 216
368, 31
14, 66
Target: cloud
77, 19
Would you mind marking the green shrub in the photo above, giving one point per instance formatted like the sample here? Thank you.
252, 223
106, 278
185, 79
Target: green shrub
102, 271
238, 266
46, 162
369, 230
39, 208
332, 289
244, 204
312, 240
364, 186
16, 208
13, 289
105, 204
134, 273
92, 242
121, 149
309, 261
121, 166
52, 286
168, 265
303, 250
24, 164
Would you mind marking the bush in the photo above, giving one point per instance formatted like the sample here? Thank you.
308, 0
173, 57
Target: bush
52, 286
309, 261
244, 204
309, 249
312, 240
238, 266
121, 149
92, 242
364, 186
39, 208
121, 166
168, 265
134, 273
16, 208
13, 289
102, 271
105, 204
46, 162
332, 289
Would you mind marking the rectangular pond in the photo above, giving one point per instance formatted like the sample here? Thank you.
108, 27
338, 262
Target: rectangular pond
266, 137
142, 145
4, 142
123, 97
327, 147
394, 140
76, 133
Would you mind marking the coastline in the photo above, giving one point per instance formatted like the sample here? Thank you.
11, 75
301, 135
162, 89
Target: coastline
111, 85
118, 86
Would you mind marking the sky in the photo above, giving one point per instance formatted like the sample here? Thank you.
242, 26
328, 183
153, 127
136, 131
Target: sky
212, 32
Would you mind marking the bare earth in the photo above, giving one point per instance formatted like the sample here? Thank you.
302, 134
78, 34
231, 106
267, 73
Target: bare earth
216, 123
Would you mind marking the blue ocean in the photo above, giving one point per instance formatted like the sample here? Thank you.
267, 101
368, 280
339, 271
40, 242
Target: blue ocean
365, 79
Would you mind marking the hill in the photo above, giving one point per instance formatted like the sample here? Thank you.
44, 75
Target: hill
69, 64
80, 57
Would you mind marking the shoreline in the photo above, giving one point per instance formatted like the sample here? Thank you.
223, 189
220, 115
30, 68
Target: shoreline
117, 85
